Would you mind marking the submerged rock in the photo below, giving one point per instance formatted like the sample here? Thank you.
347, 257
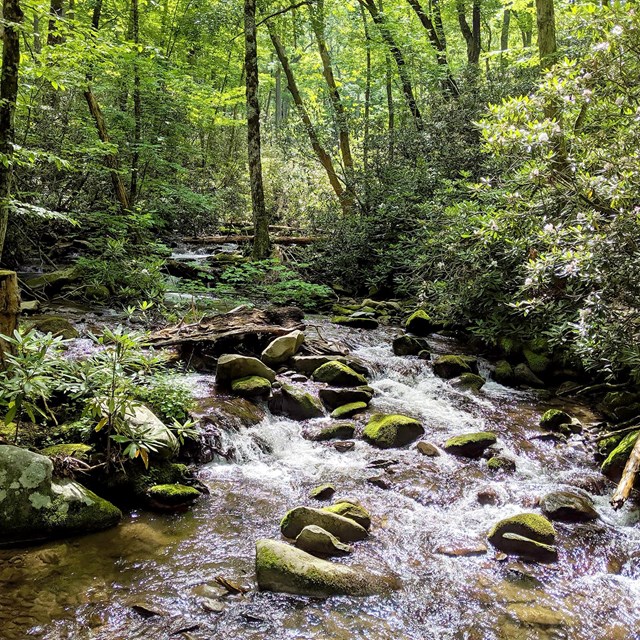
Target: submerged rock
317, 541
251, 387
338, 374
35, 506
171, 497
343, 528
527, 534
567, 506
231, 366
283, 568
322, 492
354, 512
406, 345
348, 410
295, 403
339, 430
356, 322
282, 348
419, 323
388, 431
334, 398
470, 445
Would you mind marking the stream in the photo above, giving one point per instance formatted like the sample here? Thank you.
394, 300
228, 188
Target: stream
428, 528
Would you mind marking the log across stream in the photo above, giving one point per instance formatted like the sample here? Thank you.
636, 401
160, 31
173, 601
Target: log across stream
154, 576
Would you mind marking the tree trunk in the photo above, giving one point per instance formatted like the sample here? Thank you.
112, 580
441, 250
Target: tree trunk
322, 155
9, 307
407, 87
367, 93
278, 96
317, 23
54, 37
12, 15
261, 243
504, 35
628, 477
545, 17
470, 34
137, 106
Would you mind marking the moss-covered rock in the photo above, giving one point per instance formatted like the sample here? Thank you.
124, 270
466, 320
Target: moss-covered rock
406, 345
356, 322
317, 541
470, 445
35, 506
251, 387
343, 528
231, 367
509, 346
527, 534
568, 506
338, 374
53, 281
79, 451
322, 492
617, 459
173, 494
501, 463
97, 292
469, 381
348, 410
308, 364
524, 376
56, 325
295, 403
419, 323
334, 398
503, 373
555, 418
285, 569
451, 366
606, 446
539, 363
616, 405
354, 512
337, 431
388, 431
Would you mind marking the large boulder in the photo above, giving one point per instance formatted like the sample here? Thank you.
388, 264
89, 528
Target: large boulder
35, 506
503, 373
419, 323
553, 419
317, 541
470, 381
343, 528
523, 375
568, 506
53, 281
452, 366
295, 403
308, 364
528, 534
282, 348
406, 345
388, 431
147, 426
251, 387
539, 363
617, 459
470, 445
55, 325
285, 569
233, 366
338, 374
334, 398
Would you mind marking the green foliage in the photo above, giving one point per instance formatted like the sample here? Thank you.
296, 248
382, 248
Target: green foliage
168, 396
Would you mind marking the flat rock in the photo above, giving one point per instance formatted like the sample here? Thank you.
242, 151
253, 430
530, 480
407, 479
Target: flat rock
232, 366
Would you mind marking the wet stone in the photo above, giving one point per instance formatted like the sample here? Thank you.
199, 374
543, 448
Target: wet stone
427, 449
568, 506
322, 492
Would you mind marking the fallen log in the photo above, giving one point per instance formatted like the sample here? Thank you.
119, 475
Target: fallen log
239, 239
625, 485
242, 329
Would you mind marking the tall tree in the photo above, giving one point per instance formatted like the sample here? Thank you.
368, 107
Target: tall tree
12, 16
545, 16
261, 241
137, 104
471, 34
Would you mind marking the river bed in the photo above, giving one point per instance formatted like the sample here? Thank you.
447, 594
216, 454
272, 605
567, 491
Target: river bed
427, 528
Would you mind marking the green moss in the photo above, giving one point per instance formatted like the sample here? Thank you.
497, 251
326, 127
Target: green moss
79, 451
606, 446
618, 457
503, 372
322, 492
537, 362
530, 525
338, 374
173, 494
56, 325
501, 463
387, 431
554, 418
341, 430
352, 511
419, 323
470, 445
251, 386
348, 410
471, 381
509, 346
451, 366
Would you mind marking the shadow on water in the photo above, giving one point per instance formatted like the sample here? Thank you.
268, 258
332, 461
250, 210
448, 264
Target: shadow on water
428, 528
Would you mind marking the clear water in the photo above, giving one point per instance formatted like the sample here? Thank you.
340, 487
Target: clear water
85, 587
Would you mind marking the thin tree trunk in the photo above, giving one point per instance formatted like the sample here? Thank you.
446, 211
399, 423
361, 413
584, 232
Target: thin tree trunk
388, 86
317, 23
37, 40
54, 37
367, 93
13, 16
137, 105
504, 35
261, 243
278, 96
111, 160
471, 34
545, 17
321, 153
407, 87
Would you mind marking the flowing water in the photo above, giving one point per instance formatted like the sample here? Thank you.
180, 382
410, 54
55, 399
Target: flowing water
428, 529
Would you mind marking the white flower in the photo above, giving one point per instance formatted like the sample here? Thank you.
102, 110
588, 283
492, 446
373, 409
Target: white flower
543, 137
617, 30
